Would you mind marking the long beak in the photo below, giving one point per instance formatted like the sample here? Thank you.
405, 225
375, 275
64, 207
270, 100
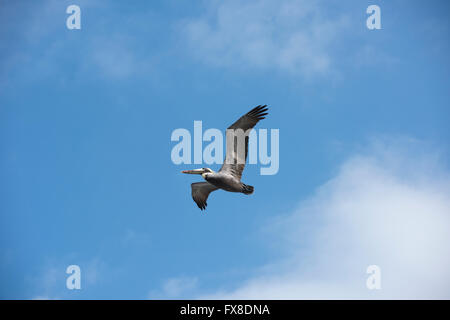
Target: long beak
195, 171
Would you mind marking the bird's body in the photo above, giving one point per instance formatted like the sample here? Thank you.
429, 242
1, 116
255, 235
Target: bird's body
229, 176
224, 181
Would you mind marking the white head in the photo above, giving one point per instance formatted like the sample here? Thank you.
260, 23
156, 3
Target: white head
203, 171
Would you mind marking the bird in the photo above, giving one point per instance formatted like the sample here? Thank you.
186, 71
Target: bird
228, 178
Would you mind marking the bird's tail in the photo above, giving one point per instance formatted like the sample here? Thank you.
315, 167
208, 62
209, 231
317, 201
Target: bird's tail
246, 189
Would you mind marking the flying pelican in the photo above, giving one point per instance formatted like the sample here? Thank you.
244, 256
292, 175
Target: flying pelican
229, 176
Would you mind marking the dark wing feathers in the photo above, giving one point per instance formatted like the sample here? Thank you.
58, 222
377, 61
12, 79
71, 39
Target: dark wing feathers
251, 118
200, 193
246, 122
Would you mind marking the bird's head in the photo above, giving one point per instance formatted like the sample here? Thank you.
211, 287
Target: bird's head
203, 171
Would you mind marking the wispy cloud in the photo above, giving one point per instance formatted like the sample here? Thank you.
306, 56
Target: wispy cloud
175, 288
116, 57
101, 49
292, 36
135, 238
50, 283
44, 298
388, 206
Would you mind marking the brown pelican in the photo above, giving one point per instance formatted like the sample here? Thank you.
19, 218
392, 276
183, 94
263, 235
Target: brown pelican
229, 176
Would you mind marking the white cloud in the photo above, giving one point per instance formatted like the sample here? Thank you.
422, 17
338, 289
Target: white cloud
115, 58
175, 288
44, 298
101, 49
293, 36
370, 55
389, 206
93, 271
50, 284
135, 238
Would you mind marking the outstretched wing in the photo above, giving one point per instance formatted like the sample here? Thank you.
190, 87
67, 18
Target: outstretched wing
234, 162
200, 192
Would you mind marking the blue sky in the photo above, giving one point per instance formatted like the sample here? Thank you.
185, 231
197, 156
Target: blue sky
86, 175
